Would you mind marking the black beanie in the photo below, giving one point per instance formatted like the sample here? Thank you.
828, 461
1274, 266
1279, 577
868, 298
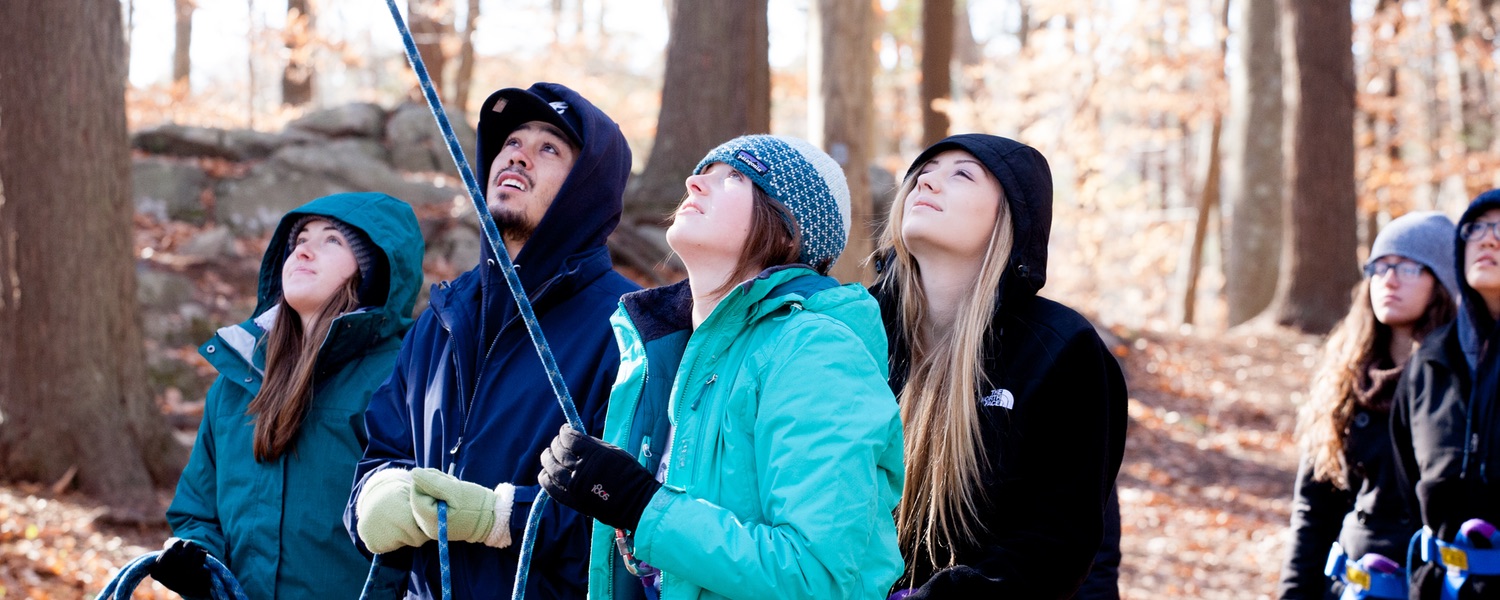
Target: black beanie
366, 255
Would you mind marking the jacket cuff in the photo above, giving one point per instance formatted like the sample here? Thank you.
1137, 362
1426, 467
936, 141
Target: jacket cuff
649, 527
505, 499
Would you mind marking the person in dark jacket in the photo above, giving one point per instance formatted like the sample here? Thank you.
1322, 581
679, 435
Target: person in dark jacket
283, 423
1445, 430
1014, 409
1347, 492
468, 409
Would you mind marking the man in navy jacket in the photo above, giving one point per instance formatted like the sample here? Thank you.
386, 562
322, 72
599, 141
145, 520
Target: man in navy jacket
468, 410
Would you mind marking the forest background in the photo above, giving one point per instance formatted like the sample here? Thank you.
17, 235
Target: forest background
1221, 167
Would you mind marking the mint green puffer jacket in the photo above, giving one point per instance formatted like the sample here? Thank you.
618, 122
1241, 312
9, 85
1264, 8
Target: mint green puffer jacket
786, 457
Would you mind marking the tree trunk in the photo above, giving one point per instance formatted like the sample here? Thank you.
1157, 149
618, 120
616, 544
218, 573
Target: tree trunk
841, 74
297, 78
1209, 189
717, 86
431, 22
1023, 24
72, 374
1208, 198
182, 64
129, 32
937, 63
1253, 182
464, 77
1318, 268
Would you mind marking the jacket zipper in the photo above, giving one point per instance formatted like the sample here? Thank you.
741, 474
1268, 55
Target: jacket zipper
609, 582
479, 374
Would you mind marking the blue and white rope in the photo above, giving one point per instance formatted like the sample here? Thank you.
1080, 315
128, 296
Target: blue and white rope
221, 583
528, 316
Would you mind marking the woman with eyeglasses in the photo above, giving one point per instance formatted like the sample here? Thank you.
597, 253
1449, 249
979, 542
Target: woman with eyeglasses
1347, 502
1445, 430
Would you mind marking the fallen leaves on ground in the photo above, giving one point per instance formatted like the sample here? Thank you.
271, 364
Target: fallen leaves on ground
1206, 485
54, 547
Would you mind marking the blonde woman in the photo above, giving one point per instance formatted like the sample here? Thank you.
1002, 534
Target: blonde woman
1014, 410
1347, 491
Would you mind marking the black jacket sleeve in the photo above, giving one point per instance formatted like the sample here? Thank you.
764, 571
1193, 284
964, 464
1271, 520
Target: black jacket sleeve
1050, 506
1103, 582
1318, 509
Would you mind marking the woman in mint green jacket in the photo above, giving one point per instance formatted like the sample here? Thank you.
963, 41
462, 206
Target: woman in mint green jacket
283, 425
764, 444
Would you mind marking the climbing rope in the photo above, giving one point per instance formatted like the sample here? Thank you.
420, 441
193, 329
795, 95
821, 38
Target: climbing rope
533, 328
221, 583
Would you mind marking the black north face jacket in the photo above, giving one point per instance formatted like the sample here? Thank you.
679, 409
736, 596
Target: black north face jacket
1054, 413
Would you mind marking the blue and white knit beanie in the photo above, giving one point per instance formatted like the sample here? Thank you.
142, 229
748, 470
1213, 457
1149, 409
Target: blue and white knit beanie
801, 177
1425, 237
360, 246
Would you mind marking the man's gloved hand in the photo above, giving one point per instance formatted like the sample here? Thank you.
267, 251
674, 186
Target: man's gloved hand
475, 513
597, 479
384, 512
181, 568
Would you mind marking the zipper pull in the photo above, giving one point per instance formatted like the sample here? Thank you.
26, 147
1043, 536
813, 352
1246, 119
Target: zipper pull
711, 379
453, 461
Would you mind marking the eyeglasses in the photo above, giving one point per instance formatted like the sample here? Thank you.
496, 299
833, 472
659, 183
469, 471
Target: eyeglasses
1405, 270
1475, 230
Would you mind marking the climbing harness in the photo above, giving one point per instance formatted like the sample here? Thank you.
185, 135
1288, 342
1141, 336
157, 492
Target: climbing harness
221, 583
528, 316
1460, 558
1371, 576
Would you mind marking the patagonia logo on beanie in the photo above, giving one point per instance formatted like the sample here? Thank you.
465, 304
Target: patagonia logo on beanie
366, 255
801, 177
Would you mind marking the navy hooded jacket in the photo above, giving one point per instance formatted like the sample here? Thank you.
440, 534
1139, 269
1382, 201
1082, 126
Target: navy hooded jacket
481, 405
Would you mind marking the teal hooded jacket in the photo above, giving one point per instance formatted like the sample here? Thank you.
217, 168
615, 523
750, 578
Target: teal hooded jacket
785, 458
278, 525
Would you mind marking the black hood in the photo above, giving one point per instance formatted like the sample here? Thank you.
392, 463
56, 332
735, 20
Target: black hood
589, 203
1027, 181
1472, 303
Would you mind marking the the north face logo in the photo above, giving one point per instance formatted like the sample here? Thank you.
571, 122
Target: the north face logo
599, 491
999, 397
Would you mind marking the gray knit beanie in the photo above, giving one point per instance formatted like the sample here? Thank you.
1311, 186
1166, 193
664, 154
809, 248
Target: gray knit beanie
801, 177
1424, 237
360, 246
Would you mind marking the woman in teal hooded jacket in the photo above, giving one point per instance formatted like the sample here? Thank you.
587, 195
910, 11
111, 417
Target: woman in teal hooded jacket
764, 445
283, 425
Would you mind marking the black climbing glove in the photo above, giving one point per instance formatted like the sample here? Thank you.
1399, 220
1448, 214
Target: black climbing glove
181, 568
597, 479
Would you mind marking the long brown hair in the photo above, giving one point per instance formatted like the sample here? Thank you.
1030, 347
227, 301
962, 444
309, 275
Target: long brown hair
291, 361
1359, 341
774, 239
939, 509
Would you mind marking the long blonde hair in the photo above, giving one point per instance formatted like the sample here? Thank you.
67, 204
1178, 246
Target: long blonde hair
945, 461
1355, 344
